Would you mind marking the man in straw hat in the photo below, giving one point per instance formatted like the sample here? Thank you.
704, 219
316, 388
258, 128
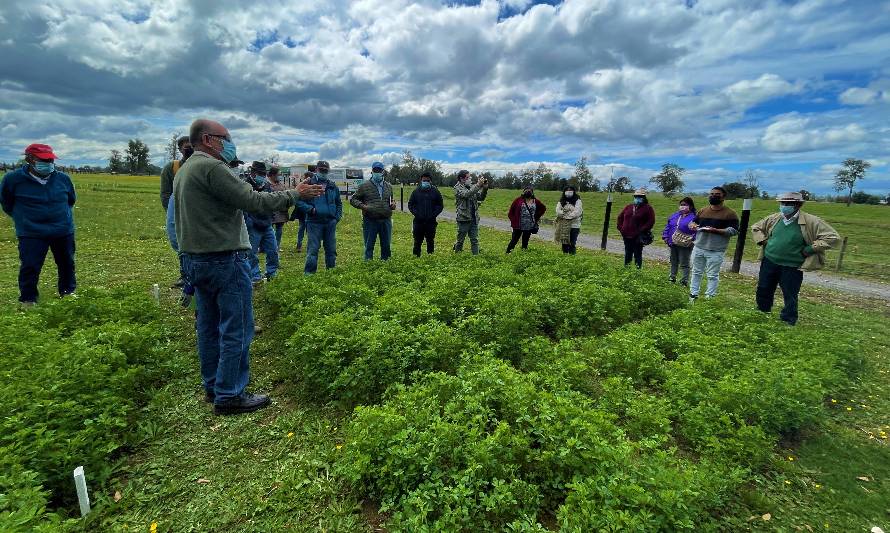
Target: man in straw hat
791, 241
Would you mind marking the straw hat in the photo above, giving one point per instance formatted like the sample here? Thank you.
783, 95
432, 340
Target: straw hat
640, 192
790, 197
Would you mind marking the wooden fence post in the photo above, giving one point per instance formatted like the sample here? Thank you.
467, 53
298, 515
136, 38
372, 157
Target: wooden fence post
840, 256
743, 235
606, 221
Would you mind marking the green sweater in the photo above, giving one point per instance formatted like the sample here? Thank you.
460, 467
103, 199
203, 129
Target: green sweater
785, 245
209, 201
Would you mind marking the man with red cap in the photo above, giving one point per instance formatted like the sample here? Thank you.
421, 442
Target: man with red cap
40, 199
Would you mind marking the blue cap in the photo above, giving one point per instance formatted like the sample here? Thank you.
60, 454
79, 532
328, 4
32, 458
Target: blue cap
377, 164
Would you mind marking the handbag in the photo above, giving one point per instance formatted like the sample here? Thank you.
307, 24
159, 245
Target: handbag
646, 238
683, 240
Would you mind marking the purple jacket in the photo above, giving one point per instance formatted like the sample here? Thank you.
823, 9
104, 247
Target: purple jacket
672, 223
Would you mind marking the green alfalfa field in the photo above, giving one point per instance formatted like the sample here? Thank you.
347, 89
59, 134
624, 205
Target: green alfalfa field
447, 393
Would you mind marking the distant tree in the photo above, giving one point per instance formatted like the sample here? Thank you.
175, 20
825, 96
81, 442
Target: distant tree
807, 195
670, 179
752, 181
116, 162
137, 156
171, 148
764, 195
860, 197
620, 185
582, 179
846, 178
736, 189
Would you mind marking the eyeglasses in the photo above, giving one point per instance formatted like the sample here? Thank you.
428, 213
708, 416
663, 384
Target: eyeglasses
226, 137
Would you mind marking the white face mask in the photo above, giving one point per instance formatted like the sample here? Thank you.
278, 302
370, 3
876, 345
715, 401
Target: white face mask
569, 194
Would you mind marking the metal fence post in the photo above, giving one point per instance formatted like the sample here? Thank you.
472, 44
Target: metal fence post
606, 221
743, 235
402, 197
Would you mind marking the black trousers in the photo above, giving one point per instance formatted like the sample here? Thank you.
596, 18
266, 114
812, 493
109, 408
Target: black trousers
788, 278
424, 230
573, 241
525, 234
32, 254
633, 248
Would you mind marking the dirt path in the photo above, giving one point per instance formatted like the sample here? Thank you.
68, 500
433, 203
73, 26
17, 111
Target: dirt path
615, 245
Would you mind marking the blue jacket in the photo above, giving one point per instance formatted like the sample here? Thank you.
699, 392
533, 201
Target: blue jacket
328, 206
171, 225
37, 210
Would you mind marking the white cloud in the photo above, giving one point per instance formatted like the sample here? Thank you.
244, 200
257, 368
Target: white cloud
653, 79
859, 96
795, 134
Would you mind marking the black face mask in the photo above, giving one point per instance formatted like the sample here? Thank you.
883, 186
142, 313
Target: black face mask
527, 194
715, 200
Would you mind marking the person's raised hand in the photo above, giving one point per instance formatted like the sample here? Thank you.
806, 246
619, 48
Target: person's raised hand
307, 191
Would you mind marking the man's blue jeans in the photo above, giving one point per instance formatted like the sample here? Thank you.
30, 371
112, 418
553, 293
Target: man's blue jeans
265, 240
224, 298
300, 233
32, 254
279, 229
321, 233
372, 228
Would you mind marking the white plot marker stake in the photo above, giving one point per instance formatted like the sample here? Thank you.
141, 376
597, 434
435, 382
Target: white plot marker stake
80, 482
156, 292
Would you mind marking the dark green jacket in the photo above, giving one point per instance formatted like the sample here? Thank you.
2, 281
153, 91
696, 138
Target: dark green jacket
367, 194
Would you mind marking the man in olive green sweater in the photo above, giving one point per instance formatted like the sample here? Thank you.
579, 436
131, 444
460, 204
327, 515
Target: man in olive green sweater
209, 202
791, 241
375, 199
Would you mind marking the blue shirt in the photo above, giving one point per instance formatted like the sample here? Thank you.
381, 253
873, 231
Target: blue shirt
38, 210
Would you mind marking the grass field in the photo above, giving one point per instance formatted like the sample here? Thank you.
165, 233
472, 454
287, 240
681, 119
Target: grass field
866, 226
273, 470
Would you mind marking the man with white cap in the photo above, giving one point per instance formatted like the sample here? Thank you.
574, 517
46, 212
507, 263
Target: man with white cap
40, 200
791, 241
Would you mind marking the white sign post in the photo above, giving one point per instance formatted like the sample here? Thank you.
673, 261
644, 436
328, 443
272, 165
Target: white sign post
80, 482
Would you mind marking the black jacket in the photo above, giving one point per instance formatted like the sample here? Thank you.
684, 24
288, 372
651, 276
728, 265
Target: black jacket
425, 204
260, 221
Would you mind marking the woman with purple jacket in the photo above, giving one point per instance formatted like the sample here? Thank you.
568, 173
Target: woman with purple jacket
680, 237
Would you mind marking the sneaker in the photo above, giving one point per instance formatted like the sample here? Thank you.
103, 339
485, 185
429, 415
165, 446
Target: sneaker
299, 249
246, 403
209, 397
179, 283
672, 280
26, 305
692, 298
257, 329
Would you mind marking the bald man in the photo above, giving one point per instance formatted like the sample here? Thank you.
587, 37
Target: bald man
209, 201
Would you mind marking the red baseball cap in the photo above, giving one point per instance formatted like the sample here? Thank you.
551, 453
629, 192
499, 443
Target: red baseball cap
40, 151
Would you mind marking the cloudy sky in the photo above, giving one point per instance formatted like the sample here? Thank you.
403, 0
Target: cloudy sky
787, 89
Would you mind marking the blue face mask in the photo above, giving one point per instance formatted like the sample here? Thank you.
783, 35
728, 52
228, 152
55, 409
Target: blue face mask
377, 176
638, 201
43, 168
425, 185
228, 151
259, 179
787, 210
